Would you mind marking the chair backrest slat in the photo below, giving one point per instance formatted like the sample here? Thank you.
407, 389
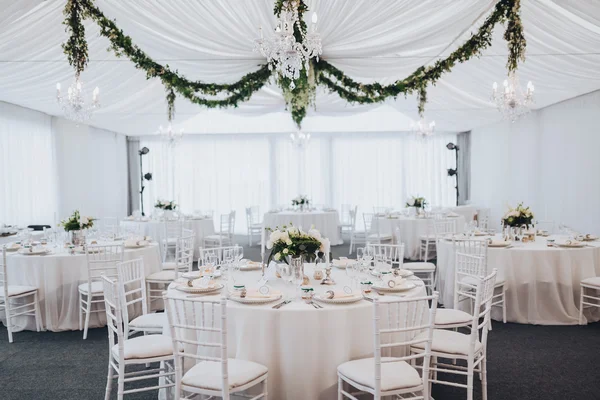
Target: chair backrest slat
392, 254
131, 282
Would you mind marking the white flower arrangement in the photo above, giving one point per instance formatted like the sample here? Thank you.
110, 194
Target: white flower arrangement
518, 216
165, 205
301, 200
418, 202
294, 242
76, 222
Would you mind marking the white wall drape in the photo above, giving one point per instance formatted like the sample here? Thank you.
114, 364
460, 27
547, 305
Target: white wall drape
28, 192
231, 172
547, 159
49, 167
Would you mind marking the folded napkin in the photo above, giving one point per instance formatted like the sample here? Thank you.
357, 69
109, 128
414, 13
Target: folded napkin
130, 218
337, 294
14, 246
493, 242
255, 294
570, 242
135, 242
342, 261
396, 282
203, 284
253, 263
145, 219
452, 214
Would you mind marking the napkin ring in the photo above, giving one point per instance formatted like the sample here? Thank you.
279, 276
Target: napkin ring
347, 290
190, 283
391, 283
263, 290
329, 294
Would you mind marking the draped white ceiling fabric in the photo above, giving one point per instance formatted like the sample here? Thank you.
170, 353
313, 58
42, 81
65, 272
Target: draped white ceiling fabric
370, 40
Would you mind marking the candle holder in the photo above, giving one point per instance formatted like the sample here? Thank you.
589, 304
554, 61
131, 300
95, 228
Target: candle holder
328, 279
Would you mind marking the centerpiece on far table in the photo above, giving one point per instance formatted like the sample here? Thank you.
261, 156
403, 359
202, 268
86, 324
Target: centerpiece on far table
167, 207
517, 217
417, 204
75, 224
301, 201
293, 246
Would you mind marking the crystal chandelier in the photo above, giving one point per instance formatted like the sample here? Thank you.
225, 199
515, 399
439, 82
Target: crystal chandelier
169, 135
511, 101
422, 128
74, 105
282, 50
300, 139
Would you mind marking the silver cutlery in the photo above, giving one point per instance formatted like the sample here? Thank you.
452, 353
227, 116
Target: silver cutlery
283, 303
316, 305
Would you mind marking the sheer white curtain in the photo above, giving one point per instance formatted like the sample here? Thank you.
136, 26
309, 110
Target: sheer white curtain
210, 172
384, 169
27, 167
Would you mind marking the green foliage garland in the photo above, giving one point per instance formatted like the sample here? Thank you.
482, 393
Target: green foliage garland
299, 98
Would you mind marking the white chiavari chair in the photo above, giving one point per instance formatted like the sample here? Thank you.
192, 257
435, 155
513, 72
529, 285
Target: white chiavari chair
199, 333
135, 351
356, 237
347, 219
589, 299
548, 226
373, 230
132, 293
442, 227
483, 218
9, 293
225, 234
406, 322
421, 269
392, 254
172, 231
253, 222
380, 210
184, 258
101, 260
471, 347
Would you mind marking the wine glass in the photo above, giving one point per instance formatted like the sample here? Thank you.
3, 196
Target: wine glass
352, 270
360, 253
297, 279
285, 271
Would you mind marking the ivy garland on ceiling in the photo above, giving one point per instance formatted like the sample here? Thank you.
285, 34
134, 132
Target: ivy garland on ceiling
298, 99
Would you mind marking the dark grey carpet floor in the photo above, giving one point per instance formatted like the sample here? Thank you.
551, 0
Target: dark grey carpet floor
524, 362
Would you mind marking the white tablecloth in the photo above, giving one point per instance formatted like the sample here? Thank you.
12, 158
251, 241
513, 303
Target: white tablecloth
57, 277
301, 346
156, 230
542, 283
327, 222
411, 230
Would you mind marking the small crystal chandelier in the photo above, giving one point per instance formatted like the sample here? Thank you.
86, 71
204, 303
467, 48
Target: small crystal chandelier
422, 128
300, 139
511, 101
170, 136
74, 105
283, 51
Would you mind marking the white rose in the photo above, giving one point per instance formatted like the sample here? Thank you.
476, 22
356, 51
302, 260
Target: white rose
285, 251
292, 230
315, 234
269, 244
288, 242
275, 235
84, 221
285, 237
325, 245
277, 256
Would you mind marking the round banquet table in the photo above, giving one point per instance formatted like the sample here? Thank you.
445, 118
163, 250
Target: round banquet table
301, 346
57, 277
156, 229
542, 283
411, 230
327, 222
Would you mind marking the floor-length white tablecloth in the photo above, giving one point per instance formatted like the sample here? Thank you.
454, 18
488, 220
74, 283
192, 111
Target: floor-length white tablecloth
542, 283
411, 230
156, 229
327, 222
301, 346
57, 277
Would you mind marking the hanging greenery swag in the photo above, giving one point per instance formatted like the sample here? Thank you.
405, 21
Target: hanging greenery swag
298, 99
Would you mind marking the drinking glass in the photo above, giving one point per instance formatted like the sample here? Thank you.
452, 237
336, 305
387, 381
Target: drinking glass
360, 253
297, 279
352, 270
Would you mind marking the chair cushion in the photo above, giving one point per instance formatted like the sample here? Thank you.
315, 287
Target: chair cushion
594, 281
383, 236
168, 275
419, 266
427, 237
215, 237
448, 342
169, 265
394, 375
17, 290
472, 281
256, 226
96, 287
207, 374
449, 316
141, 347
147, 321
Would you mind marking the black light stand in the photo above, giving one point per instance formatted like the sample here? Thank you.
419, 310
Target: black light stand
454, 171
147, 176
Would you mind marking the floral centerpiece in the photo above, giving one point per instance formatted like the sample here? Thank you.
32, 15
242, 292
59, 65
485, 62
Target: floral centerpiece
518, 216
417, 202
291, 242
75, 224
301, 201
166, 205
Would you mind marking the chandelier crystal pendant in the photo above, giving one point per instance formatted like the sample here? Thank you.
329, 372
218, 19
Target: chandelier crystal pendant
169, 135
300, 139
511, 100
422, 128
74, 105
283, 51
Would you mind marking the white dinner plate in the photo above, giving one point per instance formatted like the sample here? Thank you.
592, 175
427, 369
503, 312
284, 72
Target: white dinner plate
197, 274
406, 286
500, 244
343, 300
255, 300
590, 239
12, 249
135, 246
572, 245
182, 287
35, 252
251, 266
